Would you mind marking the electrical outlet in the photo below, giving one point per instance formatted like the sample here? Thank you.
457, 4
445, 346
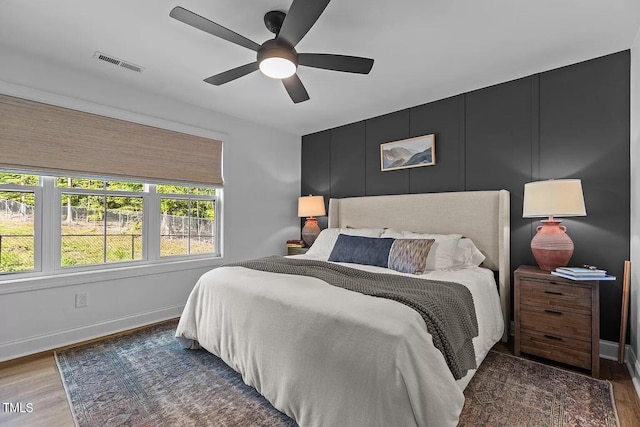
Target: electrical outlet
81, 300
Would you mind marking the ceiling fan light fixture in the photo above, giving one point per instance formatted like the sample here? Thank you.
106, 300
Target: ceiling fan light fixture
277, 68
277, 61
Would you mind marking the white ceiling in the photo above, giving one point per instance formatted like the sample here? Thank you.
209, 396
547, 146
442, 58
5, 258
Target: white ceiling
424, 50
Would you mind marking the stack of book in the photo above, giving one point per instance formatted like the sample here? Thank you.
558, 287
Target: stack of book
582, 273
295, 243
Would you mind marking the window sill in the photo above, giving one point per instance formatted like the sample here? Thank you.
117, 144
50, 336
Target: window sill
71, 278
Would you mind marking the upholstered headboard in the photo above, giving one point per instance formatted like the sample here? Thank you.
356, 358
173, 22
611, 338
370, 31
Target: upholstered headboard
483, 216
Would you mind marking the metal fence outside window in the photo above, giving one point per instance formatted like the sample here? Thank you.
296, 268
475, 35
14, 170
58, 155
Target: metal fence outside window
11, 208
86, 249
16, 253
179, 235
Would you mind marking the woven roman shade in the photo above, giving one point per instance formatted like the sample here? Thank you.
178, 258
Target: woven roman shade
48, 139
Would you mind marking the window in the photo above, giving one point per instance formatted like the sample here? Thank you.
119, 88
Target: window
100, 221
94, 223
188, 220
18, 222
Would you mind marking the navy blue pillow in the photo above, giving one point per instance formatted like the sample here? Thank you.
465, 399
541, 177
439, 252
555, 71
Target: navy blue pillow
362, 250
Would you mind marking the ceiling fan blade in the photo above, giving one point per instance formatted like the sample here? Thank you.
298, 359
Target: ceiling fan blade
229, 75
347, 64
295, 89
197, 21
300, 18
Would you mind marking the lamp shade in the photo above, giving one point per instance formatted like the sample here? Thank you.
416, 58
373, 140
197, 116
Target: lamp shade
309, 206
555, 197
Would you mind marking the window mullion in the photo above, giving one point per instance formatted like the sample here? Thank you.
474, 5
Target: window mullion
50, 254
104, 228
189, 227
218, 223
152, 217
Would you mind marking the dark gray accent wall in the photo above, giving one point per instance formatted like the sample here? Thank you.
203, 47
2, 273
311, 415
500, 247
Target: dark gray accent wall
572, 122
348, 172
316, 167
585, 133
444, 119
499, 140
390, 127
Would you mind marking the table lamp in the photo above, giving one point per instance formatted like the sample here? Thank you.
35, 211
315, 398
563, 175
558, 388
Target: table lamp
551, 246
310, 207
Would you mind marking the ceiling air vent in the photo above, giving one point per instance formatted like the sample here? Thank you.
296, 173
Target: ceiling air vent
119, 62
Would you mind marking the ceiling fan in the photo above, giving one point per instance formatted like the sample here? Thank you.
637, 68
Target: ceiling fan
277, 57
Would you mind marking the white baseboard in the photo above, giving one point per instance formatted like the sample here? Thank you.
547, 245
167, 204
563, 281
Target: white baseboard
633, 364
609, 350
36, 344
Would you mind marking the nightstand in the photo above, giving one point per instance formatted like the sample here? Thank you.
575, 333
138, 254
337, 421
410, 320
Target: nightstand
297, 251
557, 318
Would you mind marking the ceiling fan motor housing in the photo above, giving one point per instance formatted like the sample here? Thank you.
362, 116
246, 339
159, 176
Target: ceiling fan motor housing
275, 49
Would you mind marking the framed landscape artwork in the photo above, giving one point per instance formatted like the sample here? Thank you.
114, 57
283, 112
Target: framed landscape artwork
408, 153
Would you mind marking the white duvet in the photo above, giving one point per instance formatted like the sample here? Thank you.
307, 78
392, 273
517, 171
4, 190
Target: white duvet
327, 356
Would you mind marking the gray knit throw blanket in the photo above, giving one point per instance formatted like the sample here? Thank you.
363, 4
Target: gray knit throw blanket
446, 307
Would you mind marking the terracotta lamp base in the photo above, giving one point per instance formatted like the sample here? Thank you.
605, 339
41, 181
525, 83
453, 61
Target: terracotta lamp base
551, 246
310, 231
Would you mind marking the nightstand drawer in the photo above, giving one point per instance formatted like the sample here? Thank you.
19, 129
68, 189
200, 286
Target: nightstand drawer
550, 294
556, 322
564, 350
297, 251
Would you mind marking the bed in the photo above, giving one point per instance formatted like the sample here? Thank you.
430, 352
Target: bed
327, 356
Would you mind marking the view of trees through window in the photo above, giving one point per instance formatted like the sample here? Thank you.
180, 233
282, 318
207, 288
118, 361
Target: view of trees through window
17, 223
98, 225
101, 221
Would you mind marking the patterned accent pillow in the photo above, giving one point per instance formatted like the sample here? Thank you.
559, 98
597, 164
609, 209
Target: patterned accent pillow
441, 255
410, 255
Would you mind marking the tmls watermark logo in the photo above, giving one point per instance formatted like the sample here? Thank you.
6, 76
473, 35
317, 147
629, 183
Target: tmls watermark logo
19, 407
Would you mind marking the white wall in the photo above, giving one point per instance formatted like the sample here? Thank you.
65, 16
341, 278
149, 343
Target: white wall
635, 214
262, 182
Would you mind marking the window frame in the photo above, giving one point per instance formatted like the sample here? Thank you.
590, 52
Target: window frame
48, 227
37, 225
198, 197
57, 232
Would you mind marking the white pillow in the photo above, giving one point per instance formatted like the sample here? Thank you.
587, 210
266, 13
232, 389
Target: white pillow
323, 245
392, 234
445, 249
362, 232
467, 254
442, 253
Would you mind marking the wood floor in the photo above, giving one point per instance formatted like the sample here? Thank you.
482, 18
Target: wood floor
35, 379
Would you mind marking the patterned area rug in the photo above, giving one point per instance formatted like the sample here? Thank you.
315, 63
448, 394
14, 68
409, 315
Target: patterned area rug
510, 391
146, 379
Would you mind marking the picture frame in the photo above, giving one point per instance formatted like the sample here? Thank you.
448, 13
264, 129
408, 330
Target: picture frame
408, 153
